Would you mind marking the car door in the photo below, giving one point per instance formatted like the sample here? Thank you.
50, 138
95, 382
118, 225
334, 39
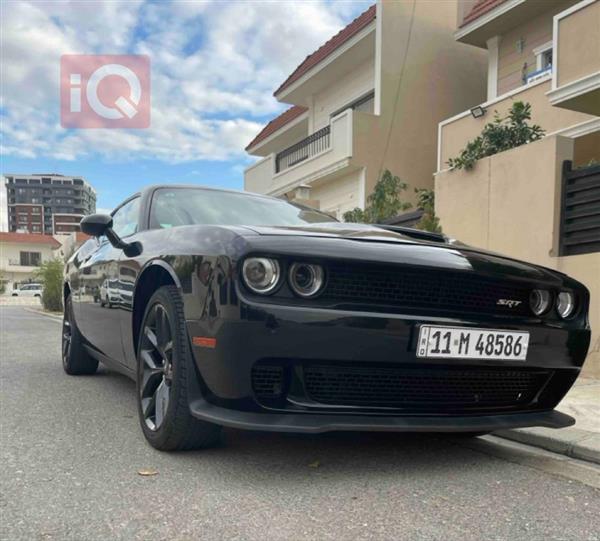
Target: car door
100, 323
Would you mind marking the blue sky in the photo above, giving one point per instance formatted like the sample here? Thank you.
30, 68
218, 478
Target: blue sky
214, 68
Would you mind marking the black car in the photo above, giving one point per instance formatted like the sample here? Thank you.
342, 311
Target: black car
239, 310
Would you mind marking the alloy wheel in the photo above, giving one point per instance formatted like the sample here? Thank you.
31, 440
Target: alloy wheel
156, 359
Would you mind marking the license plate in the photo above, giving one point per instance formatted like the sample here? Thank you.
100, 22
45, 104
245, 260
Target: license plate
467, 343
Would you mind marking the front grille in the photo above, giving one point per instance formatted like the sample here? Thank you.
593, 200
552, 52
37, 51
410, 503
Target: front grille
425, 289
267, 380
422, 389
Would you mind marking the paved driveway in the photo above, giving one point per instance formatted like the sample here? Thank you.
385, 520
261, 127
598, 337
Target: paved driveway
72, 449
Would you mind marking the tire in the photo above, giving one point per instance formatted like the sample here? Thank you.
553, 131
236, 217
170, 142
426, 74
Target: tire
76, 360
164, 364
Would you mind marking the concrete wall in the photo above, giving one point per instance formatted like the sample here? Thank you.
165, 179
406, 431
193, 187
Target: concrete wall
339, 195
578, 44
510, 203
425, 77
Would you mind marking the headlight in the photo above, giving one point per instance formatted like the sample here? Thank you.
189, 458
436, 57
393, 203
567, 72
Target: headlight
540, 300
306, 280
261, 274
565, 304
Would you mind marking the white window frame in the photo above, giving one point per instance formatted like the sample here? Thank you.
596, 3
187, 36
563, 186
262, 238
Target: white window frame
539, 54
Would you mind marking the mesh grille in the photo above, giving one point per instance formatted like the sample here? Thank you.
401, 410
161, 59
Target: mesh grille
422, 388
267, 381
425, 289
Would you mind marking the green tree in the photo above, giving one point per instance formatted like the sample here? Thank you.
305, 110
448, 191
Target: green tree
50, 274
383, 203
502, 134
426, 202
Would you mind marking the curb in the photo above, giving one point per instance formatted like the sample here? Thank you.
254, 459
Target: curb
56, 317
572, 442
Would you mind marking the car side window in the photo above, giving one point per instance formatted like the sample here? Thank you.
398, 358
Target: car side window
125, 219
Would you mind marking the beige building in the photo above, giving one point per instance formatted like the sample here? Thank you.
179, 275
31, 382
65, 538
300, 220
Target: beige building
538, 202
21, 254
369, 99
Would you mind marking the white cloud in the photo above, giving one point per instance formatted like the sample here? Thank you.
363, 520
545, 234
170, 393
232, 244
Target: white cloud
214, 68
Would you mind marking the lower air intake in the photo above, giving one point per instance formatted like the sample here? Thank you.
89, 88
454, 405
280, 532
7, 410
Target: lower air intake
423, 389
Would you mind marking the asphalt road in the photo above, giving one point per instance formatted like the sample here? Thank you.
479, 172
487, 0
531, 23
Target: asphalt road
71, 451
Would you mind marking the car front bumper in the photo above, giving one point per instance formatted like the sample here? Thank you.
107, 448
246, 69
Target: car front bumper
253, 333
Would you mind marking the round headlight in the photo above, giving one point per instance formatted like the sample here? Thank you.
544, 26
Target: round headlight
306, 280
261, 274
540, 300
565, 304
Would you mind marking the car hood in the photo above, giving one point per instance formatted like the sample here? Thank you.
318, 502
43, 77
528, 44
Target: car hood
360, 232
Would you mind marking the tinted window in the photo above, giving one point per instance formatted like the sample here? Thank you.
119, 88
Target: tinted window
172, 207
125, 219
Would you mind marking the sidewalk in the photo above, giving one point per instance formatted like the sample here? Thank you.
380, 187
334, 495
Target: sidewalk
581, 441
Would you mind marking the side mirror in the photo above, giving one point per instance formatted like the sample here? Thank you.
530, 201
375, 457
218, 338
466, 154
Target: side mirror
96, 225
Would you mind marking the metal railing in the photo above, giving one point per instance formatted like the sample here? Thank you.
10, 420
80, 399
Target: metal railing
312, 145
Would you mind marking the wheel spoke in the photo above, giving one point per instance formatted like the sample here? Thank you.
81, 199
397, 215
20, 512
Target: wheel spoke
150, 381
66, 338
160, 326
149, 360
162, 402
150, 336
148, 407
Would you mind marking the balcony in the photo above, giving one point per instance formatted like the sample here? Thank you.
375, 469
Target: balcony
455, 132
320, 156
307, 148
576, 81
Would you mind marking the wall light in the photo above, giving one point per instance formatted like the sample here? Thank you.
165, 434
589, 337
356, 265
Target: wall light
478, 112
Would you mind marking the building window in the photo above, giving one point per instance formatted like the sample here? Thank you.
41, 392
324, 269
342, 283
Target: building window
30, 259
543, 63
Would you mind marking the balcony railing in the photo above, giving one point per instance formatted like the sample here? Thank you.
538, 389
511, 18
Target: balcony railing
311, 146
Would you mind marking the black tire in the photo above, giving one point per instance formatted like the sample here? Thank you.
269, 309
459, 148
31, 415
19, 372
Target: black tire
164, 365
76, 360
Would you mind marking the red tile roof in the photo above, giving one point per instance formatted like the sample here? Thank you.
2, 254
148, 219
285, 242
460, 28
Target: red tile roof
284, 118
325, 50
481, 7
29, 238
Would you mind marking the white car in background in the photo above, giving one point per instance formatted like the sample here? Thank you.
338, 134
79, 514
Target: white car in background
28, 290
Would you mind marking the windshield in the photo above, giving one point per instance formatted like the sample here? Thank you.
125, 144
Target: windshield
172, 207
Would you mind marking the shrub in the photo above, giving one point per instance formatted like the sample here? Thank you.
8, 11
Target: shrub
383, 203
50, 274
426, 202
502, 134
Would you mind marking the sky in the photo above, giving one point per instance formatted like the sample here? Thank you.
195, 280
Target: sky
214, 67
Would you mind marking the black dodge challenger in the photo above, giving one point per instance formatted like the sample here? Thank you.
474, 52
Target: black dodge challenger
233, 309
